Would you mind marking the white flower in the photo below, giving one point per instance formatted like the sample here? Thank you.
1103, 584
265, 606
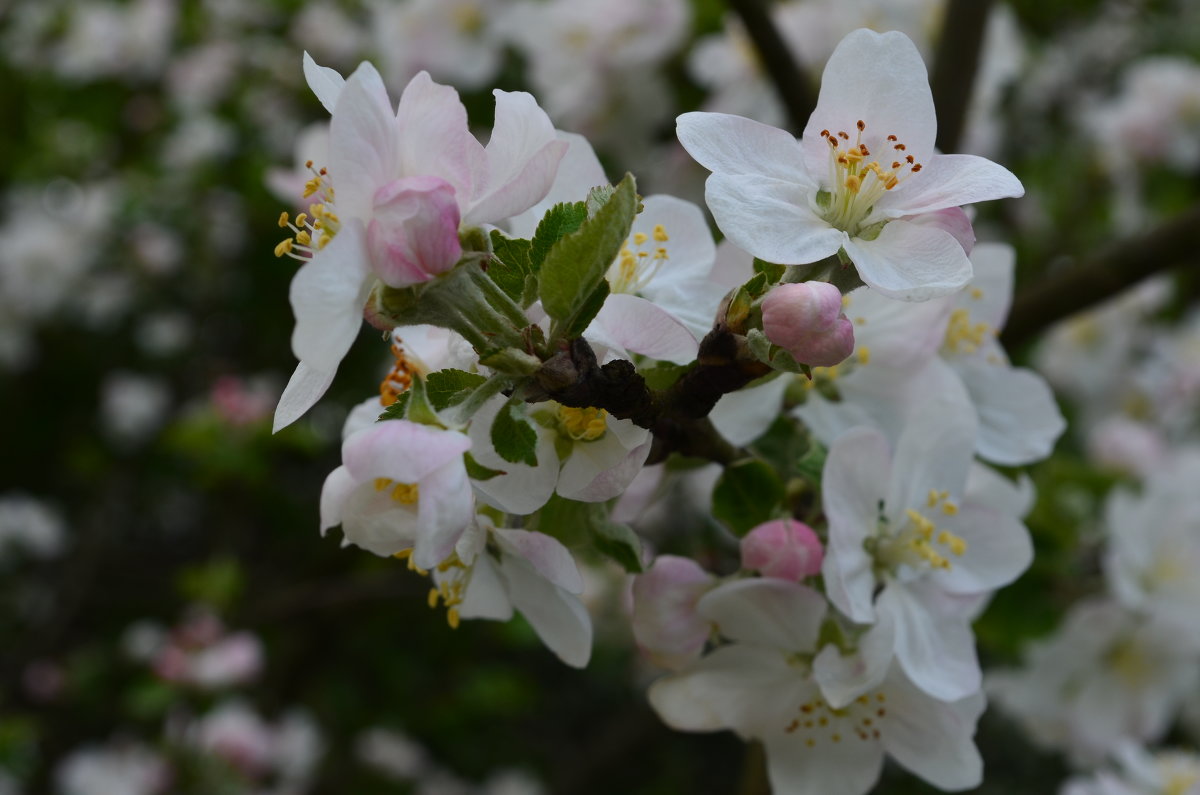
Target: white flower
908, 550
865, 162
762, 687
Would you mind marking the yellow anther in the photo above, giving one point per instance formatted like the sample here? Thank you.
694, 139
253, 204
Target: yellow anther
304, 238
890, 180
284, 247
283, 220
643, 254
853, 183
976, 293
853, 155
949, 508
452, 617
324, 241
660, 234
860, 321
433, 597
406, 493
582, 424
640, 238
301, 219
660, 253
933, 498
864, 355
312, 186
962, 335
403, 554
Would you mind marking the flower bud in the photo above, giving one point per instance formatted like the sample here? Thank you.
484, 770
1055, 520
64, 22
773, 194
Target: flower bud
413, 234
784, 549
665, 622
806, 320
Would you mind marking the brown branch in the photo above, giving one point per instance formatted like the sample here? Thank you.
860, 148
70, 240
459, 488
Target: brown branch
1087, 283
955, 65
787, 76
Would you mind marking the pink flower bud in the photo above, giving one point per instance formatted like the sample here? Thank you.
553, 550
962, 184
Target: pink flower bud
413, 235
784, 549
806, 320
665, 622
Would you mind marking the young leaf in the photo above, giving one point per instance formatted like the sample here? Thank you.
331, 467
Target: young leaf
513, 437
558, 222
575, 266
397, 410
615, 540
477, 471
772, 271
447, 388
566, 520
510, 266
747, 494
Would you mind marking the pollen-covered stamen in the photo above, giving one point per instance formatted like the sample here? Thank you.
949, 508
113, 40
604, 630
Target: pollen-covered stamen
403, 493
817, 723
311, 235
399, 378
856, 182
919, 542
582, 425
640, 258
963, 336
452, 575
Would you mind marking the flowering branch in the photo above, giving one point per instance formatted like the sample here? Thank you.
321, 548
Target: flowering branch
955, 66
1092, 281
790, 82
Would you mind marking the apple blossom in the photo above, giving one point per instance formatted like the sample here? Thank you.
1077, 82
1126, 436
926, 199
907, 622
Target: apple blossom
782, 548
865, 161
807, 321
666, 625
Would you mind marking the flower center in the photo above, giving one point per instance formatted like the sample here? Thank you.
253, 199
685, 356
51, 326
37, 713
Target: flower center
310, 235
919, 542
452, 576
817, 722
639, 260
1130, 664
403, 493
582, 425
963, 336
856, 182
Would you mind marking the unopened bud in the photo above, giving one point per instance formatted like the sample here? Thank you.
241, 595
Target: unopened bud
784, 549
806, 320
665, 622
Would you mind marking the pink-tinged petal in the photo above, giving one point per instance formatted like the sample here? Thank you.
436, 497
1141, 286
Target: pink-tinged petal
951, 181
637, 325
549, 558
326, 83
952, 220
666, 624
522, 159
403, 451
771, 219
855, 479
734, 145
911, 262
766, 612
592, 475
303, 390
558, 618
736, 687
413, 235
844, 678
445, 509
934, 646
1019, 421
878, 79
932, 738
339, 485
783, 549
434, 137
937, 445
362, 143
578, 172
373, 521
998, 550
850, 766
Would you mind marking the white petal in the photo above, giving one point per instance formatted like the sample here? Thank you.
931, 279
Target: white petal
771, 219
1019, 420
881, 80
911, 262
326, 83
559, 618
600, 470
362, 143
990, 295
734, 145
304, 389
578, 172
546, 555
934, 647
487, 594
898, 334
337, 489
522, 159
951, 181
849, 767
744, 415
932, 738
403, 451
856, 477
637, 325
844, 678
434, 138
689, 245
998, 551
767, 612
445, 509
522, 489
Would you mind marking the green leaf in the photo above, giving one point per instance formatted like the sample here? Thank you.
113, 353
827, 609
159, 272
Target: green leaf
419, 408
510, 265
615, 540
587, 312
558, 222
563, 519
748, 493
597, 197
772, 271
446, 388
575, 266
664, 374
477, 471
513, 437
396, 411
